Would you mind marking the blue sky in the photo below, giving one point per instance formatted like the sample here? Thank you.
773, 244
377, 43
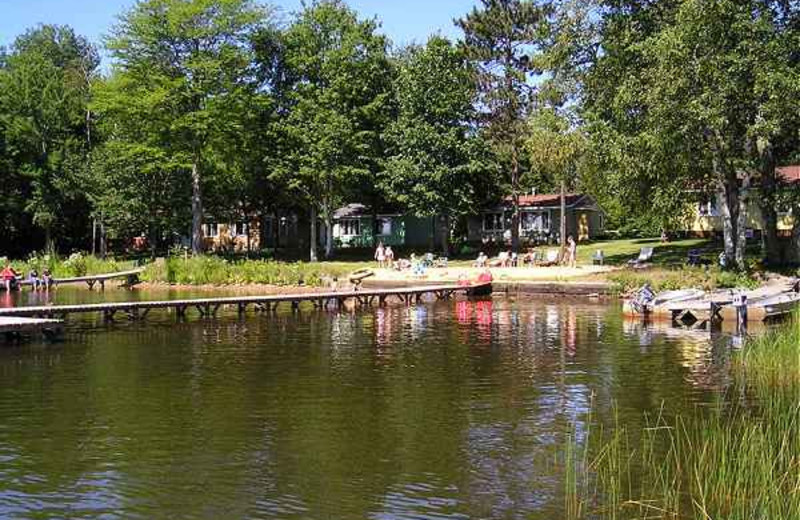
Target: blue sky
404, 21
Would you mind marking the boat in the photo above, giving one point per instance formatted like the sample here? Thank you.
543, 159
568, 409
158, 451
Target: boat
634, 307
774, 306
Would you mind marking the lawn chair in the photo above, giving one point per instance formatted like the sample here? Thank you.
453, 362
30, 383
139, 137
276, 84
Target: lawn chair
645, 256
552, 258
440, 262
598, 258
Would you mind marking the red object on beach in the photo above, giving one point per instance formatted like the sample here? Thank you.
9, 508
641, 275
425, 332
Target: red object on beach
485, 277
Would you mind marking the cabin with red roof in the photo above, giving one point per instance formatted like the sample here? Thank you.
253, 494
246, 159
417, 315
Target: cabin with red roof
540, 220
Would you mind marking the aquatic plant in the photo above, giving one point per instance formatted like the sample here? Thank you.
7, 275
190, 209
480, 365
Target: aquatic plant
199, 270
740, 460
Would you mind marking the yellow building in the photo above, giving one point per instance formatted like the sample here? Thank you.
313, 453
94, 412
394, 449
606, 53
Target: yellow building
704, 217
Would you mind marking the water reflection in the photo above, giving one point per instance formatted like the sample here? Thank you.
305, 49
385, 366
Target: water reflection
443, 410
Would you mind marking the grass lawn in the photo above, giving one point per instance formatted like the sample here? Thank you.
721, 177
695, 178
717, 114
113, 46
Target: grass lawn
675, 252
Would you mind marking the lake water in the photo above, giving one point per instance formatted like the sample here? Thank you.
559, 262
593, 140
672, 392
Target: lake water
437, 411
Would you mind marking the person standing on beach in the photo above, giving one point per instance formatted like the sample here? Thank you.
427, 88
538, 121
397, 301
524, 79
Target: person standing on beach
572, 252
389, 256
380, 254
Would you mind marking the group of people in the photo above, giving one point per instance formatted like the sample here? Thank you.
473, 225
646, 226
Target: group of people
511, 259
11, 279
384, 255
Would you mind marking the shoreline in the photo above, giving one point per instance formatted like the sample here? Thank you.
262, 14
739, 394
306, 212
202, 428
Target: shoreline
541, 287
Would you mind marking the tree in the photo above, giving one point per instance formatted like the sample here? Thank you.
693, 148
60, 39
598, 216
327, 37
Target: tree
555, 147
694, 94
181, 69
44, 92
499, 36
336, 96
431, 169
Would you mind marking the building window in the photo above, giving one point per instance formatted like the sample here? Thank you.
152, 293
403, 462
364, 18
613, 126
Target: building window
239, 229
493, 222
383, 226
211, 230
536, 221
350, 227
707, 207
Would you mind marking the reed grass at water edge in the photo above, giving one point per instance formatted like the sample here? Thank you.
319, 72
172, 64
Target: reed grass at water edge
738, 461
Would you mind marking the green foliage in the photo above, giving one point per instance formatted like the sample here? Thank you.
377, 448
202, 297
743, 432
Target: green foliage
336, 92
682, 278
44, 91
200, 270
180, 86
76, 264
433, 166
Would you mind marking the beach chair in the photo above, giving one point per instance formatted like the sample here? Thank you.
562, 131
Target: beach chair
552, 258
598, 258
645, 256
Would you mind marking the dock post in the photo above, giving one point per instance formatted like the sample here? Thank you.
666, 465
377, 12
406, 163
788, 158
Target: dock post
740, 302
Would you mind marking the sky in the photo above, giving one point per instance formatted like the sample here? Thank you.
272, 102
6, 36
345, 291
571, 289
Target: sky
404, 21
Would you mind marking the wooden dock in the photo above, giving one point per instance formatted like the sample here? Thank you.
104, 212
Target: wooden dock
210, 306
14, 326
762, 304
131, 278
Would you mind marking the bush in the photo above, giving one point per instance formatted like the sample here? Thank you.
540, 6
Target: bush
682, 278
200, 270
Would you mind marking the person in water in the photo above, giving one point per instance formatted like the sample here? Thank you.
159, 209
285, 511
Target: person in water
34, 280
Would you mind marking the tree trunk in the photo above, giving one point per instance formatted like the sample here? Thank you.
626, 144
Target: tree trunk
313, 247
743, 194
563, 219
728, 194
432, 235
103, 243
197, 209
514, 200
769, 211
328, 235
49, 243
796, 234
445, 235
94, 236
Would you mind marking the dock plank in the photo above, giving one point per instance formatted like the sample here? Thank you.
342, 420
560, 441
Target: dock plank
406, 294
22, 324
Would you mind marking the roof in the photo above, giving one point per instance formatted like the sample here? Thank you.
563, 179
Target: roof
356, 210
351, 210
790, 174
551, 200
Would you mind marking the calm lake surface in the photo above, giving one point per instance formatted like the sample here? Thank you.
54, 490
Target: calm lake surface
437, 411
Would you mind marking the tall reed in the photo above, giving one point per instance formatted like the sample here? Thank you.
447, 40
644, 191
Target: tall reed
739, 461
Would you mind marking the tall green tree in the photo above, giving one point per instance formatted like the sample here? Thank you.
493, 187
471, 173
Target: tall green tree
556, 146
181, 74
499, 35
700, 95
336, 95
431, 169
44, 94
